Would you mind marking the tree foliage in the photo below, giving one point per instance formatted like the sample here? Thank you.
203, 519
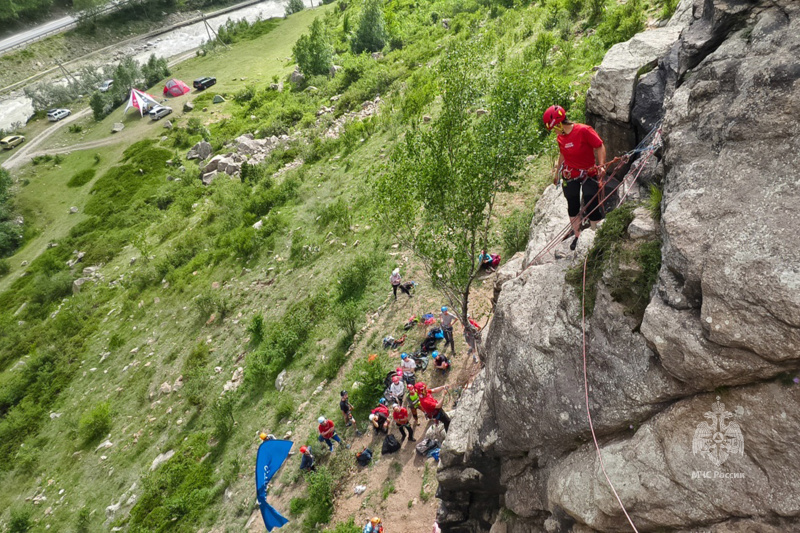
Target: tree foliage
438, 193
313, 52
371, 33
293, 6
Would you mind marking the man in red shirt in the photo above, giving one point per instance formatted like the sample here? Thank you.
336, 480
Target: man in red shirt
581, 163
400, 415
432, 408
327, 432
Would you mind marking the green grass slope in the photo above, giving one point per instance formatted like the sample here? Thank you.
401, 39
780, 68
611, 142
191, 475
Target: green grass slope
186, 314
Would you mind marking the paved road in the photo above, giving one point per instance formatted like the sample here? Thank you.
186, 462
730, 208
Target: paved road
38, 31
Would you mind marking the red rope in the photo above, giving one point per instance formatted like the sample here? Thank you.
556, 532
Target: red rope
588, 412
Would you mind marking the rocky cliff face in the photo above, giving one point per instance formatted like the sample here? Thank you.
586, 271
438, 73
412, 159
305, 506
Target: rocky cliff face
719, 342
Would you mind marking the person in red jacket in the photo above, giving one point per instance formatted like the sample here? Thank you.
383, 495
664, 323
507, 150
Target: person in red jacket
581, 164
327, 432
380, 417
400, 415
433, 408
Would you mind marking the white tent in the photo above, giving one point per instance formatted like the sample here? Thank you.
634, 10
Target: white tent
141, 101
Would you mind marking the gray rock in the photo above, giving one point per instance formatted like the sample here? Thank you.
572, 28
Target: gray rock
297, 77
280, 381
334, 70
167, 125
117, 127
78, 284
643, 226
200, 151
73, 210
161, 459
188, 106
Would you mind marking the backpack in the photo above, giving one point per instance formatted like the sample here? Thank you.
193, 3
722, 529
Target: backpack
364, 457
390, 445
388, 341
424, 446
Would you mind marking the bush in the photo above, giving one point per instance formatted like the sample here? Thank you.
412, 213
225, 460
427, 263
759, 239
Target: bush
348, 317
371, 32
5, 267
355, 277
224, 422
313, 52
195, 377
294, 6
654, 202
82, 178
369, 372
83, 520
20, 521
622, 23
95, 423
320, 499
256, 330
516, 229
347, 527
284, 409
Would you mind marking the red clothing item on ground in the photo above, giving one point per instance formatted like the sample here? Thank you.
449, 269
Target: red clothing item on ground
326, 429
578, 148
400, 416
428, 404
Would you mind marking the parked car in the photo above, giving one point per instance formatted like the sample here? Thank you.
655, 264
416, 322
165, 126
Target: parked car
204, 83
54, 115
11, 141
159, 111
105, 86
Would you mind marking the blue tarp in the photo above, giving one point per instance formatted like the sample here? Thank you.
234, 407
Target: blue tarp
271, 455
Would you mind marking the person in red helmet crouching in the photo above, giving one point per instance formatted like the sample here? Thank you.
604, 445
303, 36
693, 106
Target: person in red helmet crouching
581, 164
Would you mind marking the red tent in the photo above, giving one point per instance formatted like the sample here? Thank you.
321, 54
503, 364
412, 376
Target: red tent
176, 88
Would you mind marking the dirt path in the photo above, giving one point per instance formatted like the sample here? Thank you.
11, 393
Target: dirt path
26, 151
401, 487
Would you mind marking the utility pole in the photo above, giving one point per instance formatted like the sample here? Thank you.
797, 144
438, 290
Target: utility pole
66, 72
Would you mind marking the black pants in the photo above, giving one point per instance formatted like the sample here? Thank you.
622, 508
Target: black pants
404, 428
443, 418
572, 192
402, 288
448, 338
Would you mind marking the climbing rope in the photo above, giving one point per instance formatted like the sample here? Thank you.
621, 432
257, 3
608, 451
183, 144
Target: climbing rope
650, 143
588, 412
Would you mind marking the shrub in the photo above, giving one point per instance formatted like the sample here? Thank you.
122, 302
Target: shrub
95, 423
284, 409
516, 229
294, 6
75, 128
348, 315
369, 372
313, 52
20, 521
320, 498
256, 330
5, 267
349, 526
82, 178
224, 422
654, 202
354, 278
371, 32
298, 505
541, 47
195, 377
622, 23
83, 520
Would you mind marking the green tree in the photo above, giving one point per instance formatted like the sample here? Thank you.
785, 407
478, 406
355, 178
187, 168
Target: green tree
313, 52
371, 32
438, 194
542, 45
155, 70
293, 6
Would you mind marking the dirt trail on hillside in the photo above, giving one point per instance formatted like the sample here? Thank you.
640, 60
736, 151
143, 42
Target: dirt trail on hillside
403, 509
25, 152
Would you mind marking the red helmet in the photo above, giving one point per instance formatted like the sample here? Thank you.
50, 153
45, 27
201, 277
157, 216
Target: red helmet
420, 386
303, 449
395, 379
410, 387
555, 114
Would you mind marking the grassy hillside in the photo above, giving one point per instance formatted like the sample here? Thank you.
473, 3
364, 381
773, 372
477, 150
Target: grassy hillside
96, 383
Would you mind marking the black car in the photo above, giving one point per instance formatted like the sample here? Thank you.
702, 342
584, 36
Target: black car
204, 83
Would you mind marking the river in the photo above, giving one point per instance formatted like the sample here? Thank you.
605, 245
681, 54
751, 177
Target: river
17, 108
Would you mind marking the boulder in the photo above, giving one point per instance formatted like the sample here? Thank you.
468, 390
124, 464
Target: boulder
297, 77
276, 86
73, 210
208, 177
214, 164
258, 225
167, 125
188, 106
200, 151
334, 70
165, 388
77, 285
117, 127
377, 55
643, 226
161, 459
280, 381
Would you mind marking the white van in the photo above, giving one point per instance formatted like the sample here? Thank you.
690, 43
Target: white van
54, 115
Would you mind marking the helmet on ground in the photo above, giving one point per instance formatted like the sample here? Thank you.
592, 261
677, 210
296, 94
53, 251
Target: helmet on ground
343, 393
321, 420
444, 309
303, 449
403, 355
262, 436
375, 520
382, 401
371, 417
395, 379
555, 114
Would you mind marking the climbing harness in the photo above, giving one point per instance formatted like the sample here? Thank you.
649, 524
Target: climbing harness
647, 146
588, 412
